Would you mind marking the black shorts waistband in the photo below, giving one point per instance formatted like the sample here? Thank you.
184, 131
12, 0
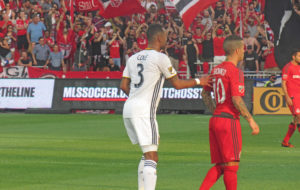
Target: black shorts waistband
225, 115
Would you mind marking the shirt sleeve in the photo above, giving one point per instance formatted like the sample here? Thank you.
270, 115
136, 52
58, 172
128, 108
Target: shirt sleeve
166, 67
285, 73
35, 50
237, 83
43, 27
29, 28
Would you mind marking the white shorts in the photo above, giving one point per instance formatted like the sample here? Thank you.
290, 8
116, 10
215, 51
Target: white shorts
142, 131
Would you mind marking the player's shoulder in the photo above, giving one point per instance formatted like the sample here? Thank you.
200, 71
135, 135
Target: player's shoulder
287, 67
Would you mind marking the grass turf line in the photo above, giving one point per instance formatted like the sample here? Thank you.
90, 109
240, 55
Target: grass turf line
93, 152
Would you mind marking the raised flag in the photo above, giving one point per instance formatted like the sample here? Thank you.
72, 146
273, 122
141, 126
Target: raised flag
188, 9
283, 17
115, 8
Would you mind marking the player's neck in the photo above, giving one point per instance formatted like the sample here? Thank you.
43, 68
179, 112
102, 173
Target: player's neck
154, 47
232, 59
294, 63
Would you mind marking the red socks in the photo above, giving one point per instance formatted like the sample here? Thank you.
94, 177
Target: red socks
230, 177
211, 177
292, 128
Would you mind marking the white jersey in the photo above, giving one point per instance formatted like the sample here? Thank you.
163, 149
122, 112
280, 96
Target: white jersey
147, 70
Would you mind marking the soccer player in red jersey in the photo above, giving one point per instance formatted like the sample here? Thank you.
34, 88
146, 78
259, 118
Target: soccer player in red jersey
291, 89
224, 126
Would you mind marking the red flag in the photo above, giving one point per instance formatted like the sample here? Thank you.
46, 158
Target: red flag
88, 5
188, 10
117, 8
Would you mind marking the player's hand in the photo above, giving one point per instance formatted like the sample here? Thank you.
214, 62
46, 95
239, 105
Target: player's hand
254, 127
289, 101
206, 81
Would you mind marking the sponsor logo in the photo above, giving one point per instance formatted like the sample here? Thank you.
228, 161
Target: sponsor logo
296, 76
189, 93
241, 89
93, 94
272, 101
115, 94
11, 92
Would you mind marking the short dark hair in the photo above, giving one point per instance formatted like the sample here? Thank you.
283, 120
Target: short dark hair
295, 51
231, 43
153, 30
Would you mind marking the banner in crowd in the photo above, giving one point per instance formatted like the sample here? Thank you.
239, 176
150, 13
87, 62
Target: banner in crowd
188, 10
26, 93
269, 101
117, 8
170, 5
88, 5
33, 72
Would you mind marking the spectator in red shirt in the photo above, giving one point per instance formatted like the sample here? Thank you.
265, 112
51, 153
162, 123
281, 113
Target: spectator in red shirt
270, 62
114, 47
21, 25
218, 40
141, 36
198, 37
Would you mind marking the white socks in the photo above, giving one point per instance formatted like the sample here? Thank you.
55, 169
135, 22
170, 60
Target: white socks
149, 173
140, 174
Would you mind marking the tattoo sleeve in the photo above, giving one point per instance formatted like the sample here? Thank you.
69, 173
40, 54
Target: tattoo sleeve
208, 101
240, 105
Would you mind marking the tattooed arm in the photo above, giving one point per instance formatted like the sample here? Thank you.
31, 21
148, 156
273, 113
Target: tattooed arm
240, 105
208, 101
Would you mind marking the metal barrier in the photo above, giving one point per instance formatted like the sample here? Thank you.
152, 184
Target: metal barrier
247, 74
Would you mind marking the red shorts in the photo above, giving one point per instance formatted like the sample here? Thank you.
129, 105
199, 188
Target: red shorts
295, 109
225, 139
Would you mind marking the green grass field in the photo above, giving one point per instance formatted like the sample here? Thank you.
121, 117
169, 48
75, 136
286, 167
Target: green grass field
93, 152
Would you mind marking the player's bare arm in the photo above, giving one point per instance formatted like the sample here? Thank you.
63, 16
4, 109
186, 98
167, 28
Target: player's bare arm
208, 101
287, 97
125, 85
180, 84
241, 106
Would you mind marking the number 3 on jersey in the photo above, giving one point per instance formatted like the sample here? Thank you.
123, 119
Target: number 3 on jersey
140, 73
219, 90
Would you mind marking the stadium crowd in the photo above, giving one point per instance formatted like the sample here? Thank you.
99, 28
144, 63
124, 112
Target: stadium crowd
42, 33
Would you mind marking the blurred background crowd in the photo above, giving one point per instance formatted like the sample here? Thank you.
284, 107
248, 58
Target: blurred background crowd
41, 33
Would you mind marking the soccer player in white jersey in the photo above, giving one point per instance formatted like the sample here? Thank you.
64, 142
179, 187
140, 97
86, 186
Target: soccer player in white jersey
142, 81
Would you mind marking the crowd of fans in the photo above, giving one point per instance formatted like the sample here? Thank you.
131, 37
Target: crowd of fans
42, 33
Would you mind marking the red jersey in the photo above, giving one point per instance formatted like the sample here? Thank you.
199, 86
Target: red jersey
142, 43
228, 81
218, 46
21, 24
199, 43
270, 61
115, 49
291, 74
